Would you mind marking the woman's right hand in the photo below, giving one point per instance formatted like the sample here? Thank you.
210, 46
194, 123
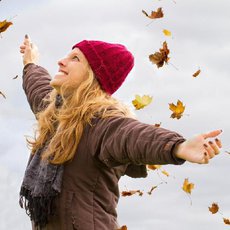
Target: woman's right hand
29, 51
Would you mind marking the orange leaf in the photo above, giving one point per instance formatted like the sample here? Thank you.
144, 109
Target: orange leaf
159, 58
4, 25
154, 14
124, 227
196, 73
187, 187
131, 192
153, 167
214, 208
177, 110
226, 221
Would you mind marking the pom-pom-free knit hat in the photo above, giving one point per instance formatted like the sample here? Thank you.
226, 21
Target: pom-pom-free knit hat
111, 63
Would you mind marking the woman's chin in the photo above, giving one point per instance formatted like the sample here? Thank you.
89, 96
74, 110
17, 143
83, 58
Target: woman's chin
56, 83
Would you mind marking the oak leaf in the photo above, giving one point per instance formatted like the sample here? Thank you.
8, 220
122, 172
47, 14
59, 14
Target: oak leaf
177, 109
161, 57
196, 73
226, 221
141, 102
187, 187
154, 14
4, 25
214, 208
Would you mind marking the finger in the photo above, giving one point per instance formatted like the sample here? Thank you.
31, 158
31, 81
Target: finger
214, 147
209, 150
218, 142
27, 40
206, 158
22, 47
212, 134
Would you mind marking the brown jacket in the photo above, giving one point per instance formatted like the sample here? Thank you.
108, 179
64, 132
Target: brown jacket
109, 149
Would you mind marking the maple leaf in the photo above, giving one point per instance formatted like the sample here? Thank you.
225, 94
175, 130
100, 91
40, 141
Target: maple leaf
124, 227
159, 58
187, 187
214, 208
226, 221
153, 167
1, 93
4, 25
155, 14
196, 73
167, 32
141, 102
177, 110
131, 192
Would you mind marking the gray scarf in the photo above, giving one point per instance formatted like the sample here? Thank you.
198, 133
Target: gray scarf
41, 185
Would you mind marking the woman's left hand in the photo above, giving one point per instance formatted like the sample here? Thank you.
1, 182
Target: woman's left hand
199, 149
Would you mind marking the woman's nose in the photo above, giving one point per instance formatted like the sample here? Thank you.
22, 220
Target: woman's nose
62, 62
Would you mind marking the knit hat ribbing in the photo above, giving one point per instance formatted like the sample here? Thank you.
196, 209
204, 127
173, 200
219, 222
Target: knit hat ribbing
111, 63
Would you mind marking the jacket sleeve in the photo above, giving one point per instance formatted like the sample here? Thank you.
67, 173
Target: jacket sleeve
126, 140
36, 84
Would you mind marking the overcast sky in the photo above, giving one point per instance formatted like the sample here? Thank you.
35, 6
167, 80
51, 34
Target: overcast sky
200, 39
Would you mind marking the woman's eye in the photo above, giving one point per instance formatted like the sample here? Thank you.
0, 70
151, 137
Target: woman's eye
76, 58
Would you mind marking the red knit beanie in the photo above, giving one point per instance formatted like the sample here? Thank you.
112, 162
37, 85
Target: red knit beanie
111, 63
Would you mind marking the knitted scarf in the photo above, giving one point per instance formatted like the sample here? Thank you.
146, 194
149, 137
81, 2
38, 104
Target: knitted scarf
41, 185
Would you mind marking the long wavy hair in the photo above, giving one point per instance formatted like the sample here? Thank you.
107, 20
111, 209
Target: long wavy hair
61, 128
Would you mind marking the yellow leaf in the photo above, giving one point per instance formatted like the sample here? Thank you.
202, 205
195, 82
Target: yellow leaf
167, 32
177, 110
4, 25
140, 102
187, 187
165, 173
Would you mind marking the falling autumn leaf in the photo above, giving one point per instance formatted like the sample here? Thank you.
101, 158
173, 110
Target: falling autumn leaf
196, 73
4, 25
214, 208
226, 221
167, 32
177, 110
164, 172
227, 152
151, 190
157, 125
131, 192
154, 14
187, 187
1, 93
124, 227
141, 102
15, 77
153, 167
159, 58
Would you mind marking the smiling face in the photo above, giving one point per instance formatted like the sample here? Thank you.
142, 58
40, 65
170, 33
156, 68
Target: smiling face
73, 70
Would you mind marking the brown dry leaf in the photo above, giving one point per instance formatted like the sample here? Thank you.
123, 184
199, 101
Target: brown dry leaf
226, 221
214, 208
4, 25
131, 192
227, 152
196, 73
177, 110
151, 190
15, 77
153, 167
155, 14
159, 58
157, 125
124, 227
187, 187
1, 93
141, 102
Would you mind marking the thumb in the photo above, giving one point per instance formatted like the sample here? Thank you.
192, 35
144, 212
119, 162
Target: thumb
212, 134
27, 40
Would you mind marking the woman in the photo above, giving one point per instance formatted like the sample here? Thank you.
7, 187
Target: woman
86, 140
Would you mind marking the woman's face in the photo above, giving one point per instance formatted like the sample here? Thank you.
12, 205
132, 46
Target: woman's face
73, 69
